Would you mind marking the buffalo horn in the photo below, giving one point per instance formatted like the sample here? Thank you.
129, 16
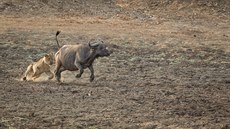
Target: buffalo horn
93, 45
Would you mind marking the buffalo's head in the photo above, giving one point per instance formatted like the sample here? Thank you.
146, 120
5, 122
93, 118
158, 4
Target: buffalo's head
100, 49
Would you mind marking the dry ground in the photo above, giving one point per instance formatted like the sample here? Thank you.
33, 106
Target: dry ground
165, 72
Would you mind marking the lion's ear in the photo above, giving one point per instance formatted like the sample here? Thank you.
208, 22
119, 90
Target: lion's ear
47, 55
51, 53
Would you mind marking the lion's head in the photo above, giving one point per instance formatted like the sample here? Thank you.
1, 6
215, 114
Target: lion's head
49, 58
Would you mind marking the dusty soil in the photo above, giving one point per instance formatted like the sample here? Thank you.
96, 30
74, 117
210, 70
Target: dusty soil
170, 67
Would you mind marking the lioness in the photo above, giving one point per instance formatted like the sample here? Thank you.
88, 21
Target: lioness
37, 68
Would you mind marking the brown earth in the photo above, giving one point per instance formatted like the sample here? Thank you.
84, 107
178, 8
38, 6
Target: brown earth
170, 68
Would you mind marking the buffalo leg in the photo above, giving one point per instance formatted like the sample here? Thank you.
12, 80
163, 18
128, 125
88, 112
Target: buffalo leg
80, 69
92, 73
58, 74
56, 71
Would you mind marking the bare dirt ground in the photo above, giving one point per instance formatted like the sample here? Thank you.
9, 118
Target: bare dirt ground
170, 68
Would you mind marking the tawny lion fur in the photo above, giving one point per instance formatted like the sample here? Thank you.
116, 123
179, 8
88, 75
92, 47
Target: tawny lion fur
35, 69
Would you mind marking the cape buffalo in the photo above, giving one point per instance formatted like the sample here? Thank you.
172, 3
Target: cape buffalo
78, 57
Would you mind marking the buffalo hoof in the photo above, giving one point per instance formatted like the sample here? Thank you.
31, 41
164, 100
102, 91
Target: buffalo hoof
78, 76
91, 79
58, 78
